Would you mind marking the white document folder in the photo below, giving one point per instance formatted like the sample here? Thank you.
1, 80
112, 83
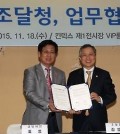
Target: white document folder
76, 97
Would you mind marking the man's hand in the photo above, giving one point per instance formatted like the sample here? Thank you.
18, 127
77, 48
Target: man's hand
52, 107
74, 112
95, 96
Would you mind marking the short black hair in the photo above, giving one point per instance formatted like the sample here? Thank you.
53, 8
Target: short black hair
47, 42
85, 46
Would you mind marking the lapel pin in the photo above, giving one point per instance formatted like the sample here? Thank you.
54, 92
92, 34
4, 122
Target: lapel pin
96, 75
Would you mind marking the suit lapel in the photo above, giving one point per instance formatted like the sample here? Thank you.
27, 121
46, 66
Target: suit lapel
40, 72
81, 73
41, 76
94, 78
54, 76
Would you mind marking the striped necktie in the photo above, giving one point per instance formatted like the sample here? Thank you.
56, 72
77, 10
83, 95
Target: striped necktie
49, 82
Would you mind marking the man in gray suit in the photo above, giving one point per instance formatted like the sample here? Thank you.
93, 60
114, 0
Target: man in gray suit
39, 108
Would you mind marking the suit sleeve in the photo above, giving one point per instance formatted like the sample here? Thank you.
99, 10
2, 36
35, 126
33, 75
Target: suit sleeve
109, 94
29, 87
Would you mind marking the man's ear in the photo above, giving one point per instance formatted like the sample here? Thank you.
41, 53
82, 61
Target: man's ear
79, 58
39, 56
56, 54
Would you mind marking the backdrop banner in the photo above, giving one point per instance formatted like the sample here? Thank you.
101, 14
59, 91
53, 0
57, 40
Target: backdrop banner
67, 22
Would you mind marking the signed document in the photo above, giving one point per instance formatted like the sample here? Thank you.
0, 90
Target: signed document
76, 97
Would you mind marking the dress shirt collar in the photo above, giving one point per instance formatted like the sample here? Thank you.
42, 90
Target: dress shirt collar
44, 67
86, 75
45, 71
88, 70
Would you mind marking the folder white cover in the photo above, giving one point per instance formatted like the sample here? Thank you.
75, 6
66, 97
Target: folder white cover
76, 97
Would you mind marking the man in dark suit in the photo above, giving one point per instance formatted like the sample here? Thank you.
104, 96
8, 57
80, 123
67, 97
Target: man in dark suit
102, 92
40, 108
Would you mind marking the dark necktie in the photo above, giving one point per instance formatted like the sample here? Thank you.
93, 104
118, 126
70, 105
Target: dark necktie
49, 82
88, 82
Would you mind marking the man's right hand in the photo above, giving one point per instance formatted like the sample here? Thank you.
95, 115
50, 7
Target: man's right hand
74, 112
52, 107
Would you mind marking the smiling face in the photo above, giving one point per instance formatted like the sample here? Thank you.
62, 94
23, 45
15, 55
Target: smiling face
87, 57
48, 55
